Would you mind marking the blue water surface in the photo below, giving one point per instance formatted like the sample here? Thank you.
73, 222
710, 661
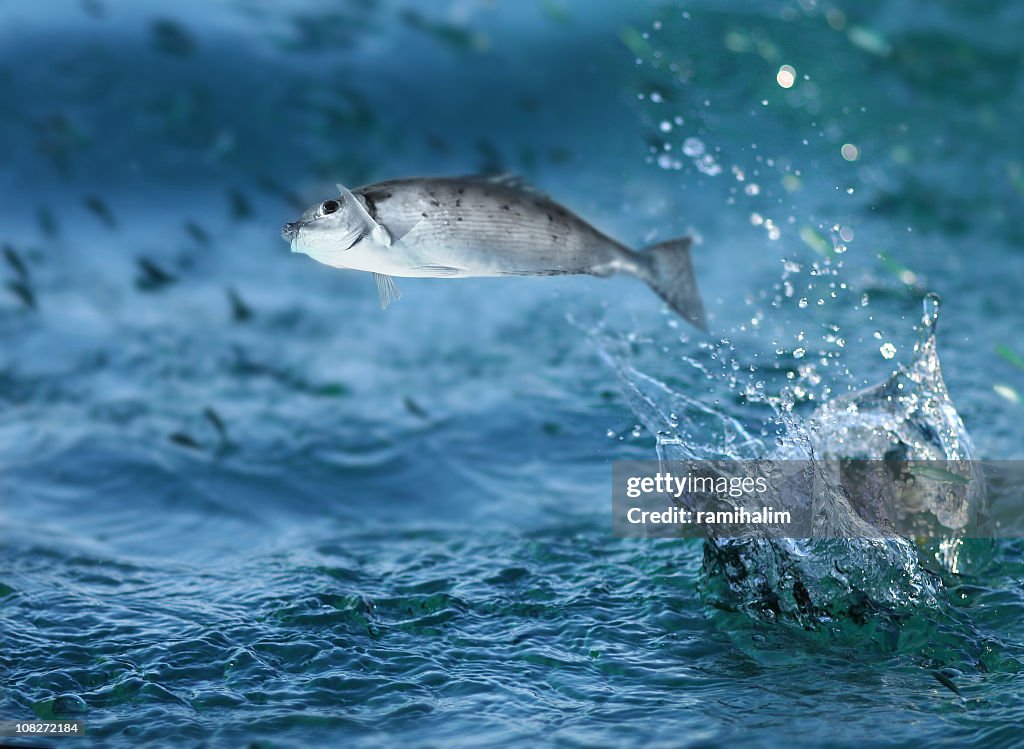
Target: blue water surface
242, 506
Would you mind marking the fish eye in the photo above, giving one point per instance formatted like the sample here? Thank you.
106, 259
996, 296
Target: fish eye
329, 206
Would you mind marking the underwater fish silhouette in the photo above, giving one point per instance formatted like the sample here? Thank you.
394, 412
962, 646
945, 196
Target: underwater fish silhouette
461, 227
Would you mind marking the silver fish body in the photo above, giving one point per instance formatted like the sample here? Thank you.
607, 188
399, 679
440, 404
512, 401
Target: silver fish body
460, 227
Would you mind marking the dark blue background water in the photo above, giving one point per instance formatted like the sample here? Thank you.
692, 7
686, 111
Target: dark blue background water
295, 520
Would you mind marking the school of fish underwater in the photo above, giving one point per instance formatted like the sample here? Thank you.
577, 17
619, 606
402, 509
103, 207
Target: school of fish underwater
243, 506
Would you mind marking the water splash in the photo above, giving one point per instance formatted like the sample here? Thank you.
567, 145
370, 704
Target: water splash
852, 566
909, 417
910, 414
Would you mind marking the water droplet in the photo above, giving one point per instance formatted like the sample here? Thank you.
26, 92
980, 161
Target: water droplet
752, 189
932, 307
665, 126
707, 165
836, 18
888, 350
1007, 392
693, 147
786, 76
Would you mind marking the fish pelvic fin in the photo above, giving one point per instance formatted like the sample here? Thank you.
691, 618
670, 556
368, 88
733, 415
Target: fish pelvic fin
386, 289
668, 269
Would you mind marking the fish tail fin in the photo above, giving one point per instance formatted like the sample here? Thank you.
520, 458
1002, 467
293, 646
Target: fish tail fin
668, 269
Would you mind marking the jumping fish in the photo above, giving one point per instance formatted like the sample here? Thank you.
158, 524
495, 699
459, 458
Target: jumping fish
461, 227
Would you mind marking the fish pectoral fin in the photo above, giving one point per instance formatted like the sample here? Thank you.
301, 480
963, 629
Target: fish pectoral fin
439, 270
386, 289
351, 239
380, 235
375, 231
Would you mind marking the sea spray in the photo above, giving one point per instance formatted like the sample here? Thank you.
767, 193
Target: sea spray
844, 570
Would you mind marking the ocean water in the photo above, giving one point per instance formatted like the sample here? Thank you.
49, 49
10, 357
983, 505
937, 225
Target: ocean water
242, 506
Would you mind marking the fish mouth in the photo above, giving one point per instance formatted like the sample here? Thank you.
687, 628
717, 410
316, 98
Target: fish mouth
290, 233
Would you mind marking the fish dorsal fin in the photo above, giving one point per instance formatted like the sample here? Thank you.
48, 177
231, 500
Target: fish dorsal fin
509, 180
377, 233
386, 289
